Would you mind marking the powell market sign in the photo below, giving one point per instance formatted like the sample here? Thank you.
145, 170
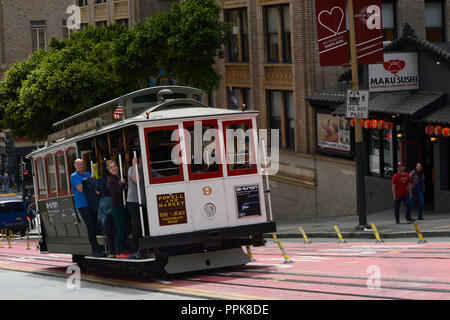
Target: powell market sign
400, 71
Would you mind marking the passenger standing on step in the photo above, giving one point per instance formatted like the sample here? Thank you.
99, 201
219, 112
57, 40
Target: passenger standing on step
116, 187
402, 192
418, 188
81, 203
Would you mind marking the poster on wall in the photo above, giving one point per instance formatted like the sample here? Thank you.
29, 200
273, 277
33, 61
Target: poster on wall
171, 209
332, 32
248, 201
399, 71
333, 132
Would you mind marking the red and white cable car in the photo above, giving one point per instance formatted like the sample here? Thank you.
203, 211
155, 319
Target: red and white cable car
204, 192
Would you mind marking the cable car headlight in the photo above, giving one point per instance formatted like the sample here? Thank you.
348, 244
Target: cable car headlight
209, 210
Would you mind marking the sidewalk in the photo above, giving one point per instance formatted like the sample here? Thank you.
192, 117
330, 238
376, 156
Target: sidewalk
434, 225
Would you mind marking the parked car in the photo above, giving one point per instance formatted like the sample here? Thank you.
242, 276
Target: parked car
13, 215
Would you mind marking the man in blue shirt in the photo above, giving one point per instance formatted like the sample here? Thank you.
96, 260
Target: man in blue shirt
82, 205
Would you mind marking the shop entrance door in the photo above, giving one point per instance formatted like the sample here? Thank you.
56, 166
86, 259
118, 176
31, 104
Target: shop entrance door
415, 151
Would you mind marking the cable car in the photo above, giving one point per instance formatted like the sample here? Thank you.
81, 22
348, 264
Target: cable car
203, 180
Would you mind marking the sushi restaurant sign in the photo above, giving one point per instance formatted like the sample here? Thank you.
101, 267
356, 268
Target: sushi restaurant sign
399, 71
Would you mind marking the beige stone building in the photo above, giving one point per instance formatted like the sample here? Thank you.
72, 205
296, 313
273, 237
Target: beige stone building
271, 64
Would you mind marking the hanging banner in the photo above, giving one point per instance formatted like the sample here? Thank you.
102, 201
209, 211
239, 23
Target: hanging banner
368, 31
332, 32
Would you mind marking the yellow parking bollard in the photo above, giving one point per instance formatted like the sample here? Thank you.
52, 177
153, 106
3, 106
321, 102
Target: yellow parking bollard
377, 235
250, 255
338, 232
9, 242
419, 234
283, 251
28, 241
11, 235
307, 241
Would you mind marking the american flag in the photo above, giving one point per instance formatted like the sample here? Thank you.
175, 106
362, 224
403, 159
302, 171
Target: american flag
118, 112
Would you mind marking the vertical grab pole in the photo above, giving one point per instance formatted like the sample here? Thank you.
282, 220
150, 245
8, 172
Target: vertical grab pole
138, 179
267, 177
121, 177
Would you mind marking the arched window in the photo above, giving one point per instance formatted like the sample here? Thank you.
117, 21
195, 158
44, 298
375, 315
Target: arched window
71, 154
61, 173
40, 178
51, 175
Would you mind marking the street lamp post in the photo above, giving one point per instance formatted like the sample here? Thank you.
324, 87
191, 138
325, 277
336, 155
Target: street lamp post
360, 188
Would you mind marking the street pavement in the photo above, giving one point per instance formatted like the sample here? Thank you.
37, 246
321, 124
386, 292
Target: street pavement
433, 225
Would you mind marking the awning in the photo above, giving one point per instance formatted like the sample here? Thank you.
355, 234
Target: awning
413, 103
440, 116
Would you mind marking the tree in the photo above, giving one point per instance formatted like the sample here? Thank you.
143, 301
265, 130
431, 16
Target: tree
97, 64
75, 74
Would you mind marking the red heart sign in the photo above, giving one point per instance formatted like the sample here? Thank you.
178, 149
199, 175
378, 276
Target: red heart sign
332, 20
394, 66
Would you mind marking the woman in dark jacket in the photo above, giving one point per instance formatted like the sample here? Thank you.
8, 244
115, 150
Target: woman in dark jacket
116, 186
104, 210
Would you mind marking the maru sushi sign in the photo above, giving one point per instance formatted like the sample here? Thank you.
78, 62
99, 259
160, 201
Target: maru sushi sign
400, 71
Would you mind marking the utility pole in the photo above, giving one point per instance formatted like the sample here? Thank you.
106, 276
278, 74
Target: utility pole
360, 188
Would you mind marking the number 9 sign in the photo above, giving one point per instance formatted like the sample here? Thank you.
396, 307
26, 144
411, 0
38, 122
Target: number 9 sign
206, 191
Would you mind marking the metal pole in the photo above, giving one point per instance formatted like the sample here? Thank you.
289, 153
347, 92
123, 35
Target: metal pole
267, 178
121, 177
360, 188
139, 194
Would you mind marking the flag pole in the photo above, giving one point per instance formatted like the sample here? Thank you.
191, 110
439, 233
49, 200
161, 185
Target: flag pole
360, 188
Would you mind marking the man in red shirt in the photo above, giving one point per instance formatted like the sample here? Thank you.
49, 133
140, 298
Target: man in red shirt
402, 191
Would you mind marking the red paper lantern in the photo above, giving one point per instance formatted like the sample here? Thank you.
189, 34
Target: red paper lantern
388, 126
381, 124
446, 132
374, 124
366, 124
437, 130
429, 129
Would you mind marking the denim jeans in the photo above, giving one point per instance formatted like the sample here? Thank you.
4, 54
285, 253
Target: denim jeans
406, 199
90, 220
420, 197
104, 208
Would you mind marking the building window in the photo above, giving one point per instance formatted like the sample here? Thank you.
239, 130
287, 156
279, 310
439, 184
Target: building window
122, 21
278, 34
82, 3
434, 21
38, 35
241, 96
280, 113
389, 20
382, 152
237, 43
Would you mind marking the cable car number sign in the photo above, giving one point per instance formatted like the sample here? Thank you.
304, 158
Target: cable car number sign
358, 104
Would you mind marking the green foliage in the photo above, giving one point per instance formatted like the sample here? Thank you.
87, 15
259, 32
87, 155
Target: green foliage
97, 64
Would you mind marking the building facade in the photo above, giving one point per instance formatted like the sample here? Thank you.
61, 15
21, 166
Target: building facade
272, 65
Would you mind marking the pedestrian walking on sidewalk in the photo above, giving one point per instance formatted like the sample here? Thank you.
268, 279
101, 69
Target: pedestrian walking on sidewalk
418, 188
402, 192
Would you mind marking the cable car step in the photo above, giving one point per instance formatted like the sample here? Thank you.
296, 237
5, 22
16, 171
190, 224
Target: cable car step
121, 259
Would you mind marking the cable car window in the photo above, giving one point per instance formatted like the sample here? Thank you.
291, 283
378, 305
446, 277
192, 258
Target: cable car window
42, 193
51, 174
62, 174
164, 154
71, 157
203, 149
239, 147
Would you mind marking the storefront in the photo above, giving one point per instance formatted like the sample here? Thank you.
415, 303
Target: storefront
409, 121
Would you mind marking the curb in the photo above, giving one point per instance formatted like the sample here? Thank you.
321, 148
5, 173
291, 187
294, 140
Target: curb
362, 235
